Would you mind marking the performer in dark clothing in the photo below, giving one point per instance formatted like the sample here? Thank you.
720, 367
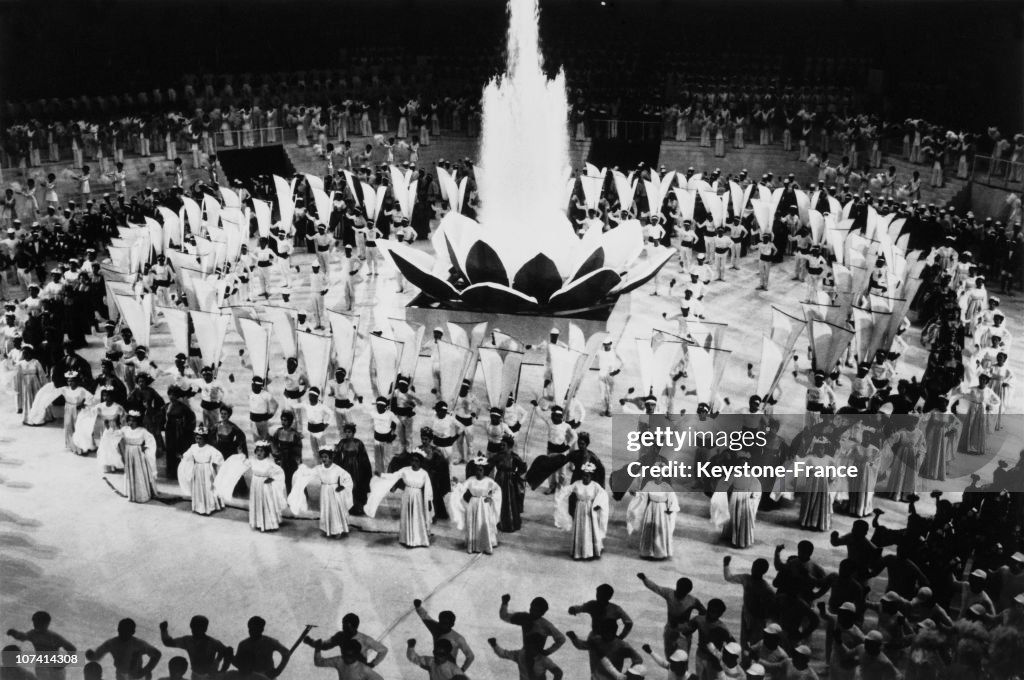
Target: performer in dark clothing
287, 443
509, 469
179, 423
350, 454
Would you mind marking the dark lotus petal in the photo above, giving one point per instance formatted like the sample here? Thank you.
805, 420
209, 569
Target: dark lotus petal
592, 264
585, 291
484, 266
425, 281
455, 260
538, 278
495, 298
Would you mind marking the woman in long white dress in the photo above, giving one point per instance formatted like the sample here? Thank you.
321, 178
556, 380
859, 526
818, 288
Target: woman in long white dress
198, 469
589, 523
29, 377
744, 499
816, 492
334, 481
475, 505
417, 504
905, 450
942, 435
109, 419
138, 450
981, 401
866, 457
653, 513
266, 498
417, 500
76, 398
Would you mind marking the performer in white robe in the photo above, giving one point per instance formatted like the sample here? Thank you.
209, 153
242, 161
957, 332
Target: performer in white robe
744, 498
76, 399
867, 459
29, 377
138, 449
981, 401
589, 524
905, 451
653, 513
266, 495
109, 419
474, 506
197, 470
1002, 385
417, 505
816, 492
334, 482
942, 436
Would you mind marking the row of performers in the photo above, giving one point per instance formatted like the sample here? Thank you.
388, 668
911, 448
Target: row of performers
489, 501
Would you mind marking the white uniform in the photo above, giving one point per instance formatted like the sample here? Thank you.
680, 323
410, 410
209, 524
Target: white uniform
318, 418
608, 364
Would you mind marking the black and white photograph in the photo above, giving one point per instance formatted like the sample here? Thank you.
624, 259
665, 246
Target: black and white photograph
497, 339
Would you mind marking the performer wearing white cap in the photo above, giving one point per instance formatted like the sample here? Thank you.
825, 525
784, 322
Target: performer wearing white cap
319, 285
842, 640
266, 496
344, 395
262, 407
324, 244
769, 652
816, 266
204, 460
403, 405
737, 234
496, 430
265, 259
211, 394
820, 399
162, 277
728, 660
138, 450
285, 248
677, 664
347, 271
609, 364
435, 361
766, 252
317, 416
513, 415
721, 245
561, 438
446, 430
465, 413
385, 427
76, 398
295, 385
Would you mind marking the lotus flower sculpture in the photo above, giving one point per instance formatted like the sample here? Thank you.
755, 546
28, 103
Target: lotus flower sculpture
476, 267
523, 255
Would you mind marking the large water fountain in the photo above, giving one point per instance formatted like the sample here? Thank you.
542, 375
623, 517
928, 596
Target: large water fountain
523, 256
